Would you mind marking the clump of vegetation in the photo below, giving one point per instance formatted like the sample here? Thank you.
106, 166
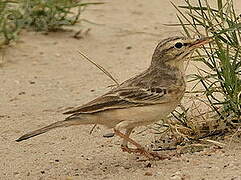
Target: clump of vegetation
39, 15
216, 103
10, 23
51, 15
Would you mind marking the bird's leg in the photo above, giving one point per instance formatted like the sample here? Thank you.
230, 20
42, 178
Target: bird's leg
127, 138
124, 145
139, 149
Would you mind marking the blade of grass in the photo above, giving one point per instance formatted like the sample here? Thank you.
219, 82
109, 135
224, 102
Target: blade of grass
100, 68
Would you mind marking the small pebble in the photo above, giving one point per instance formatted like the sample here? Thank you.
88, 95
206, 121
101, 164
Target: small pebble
21, 93
109, 135
148, 165
148, 174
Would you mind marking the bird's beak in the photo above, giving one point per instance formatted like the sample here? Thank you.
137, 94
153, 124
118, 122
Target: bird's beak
199, 42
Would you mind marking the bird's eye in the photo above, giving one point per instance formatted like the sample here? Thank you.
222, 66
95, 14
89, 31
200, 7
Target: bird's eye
178, 45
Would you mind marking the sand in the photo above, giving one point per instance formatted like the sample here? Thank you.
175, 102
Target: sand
43, 75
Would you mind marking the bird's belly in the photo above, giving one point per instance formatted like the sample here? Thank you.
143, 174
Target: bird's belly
136, 116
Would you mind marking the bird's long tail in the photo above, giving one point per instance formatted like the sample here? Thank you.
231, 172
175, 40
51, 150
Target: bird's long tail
65, 123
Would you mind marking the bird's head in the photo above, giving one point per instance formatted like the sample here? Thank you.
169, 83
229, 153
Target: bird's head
174, 51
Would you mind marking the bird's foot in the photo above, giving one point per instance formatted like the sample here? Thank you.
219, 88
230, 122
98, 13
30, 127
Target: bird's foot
142, 151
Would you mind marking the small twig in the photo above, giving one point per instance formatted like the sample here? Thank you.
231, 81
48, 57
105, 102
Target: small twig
92, 129
80, 34
231, 139
219, 144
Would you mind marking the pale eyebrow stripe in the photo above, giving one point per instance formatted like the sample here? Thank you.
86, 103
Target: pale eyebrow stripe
170, 39
167, 41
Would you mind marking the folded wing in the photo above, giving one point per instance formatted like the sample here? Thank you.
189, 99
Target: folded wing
123, 98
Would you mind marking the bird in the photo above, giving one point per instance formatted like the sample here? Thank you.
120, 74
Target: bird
139, 101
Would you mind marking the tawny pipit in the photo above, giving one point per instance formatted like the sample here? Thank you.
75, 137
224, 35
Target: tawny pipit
141, 100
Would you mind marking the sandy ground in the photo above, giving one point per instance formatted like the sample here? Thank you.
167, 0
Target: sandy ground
43, 75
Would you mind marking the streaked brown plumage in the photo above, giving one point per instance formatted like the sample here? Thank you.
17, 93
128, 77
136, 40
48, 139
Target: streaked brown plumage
141, 100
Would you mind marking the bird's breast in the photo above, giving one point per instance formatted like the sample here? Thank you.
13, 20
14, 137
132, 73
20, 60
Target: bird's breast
136, 116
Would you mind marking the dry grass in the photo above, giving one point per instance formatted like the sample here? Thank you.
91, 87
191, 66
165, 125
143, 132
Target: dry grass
212, 110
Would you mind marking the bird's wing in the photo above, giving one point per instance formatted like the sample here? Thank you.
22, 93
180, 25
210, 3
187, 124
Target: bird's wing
124, 97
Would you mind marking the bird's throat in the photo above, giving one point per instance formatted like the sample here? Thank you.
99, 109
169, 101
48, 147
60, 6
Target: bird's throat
175, 65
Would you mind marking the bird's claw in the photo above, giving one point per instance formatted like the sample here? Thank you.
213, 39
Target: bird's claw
142, 151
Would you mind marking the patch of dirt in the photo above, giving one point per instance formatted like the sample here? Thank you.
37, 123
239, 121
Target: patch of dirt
43, 75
